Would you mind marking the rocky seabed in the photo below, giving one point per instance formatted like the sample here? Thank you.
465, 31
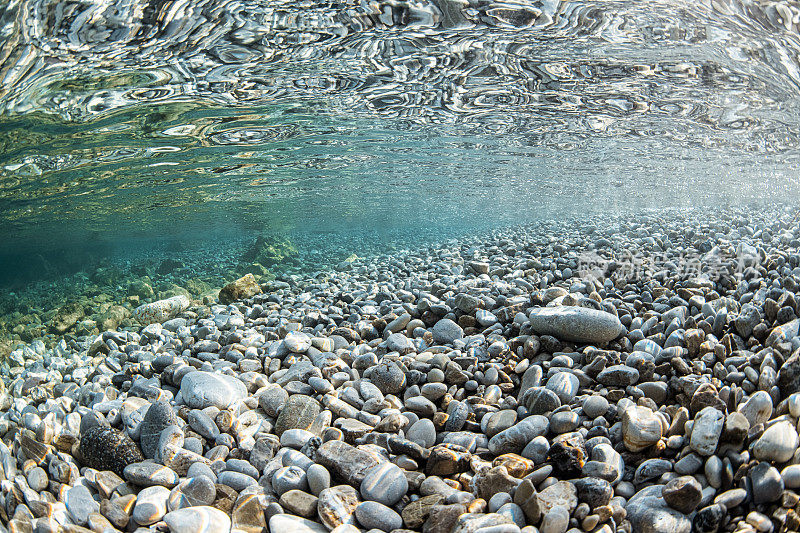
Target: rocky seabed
479, 386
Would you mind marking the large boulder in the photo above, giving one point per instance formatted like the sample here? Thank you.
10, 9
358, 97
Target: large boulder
244, 287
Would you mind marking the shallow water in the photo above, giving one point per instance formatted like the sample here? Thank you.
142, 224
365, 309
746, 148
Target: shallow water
135, 128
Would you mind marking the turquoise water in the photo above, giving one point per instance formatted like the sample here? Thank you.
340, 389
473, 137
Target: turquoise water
136, 129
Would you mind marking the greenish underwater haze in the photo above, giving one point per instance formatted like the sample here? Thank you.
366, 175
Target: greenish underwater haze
137, 132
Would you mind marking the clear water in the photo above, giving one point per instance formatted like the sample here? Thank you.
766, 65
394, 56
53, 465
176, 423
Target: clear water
132, 128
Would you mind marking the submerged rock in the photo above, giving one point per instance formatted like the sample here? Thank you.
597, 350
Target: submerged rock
577, 324
244, 287
161, 310
105, 448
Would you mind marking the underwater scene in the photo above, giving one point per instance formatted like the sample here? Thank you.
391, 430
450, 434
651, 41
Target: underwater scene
447, 266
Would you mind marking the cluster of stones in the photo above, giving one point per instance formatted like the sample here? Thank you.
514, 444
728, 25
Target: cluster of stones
478, 387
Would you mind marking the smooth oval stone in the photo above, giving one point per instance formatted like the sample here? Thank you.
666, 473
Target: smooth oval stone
706, 431
374, 515
778, 443
513, 439
149, 474
767, 483
385, 483
565, 385
199, 519
791, 476
563, 422
618, 376
201, 389
285, 523
235, 480
318, 478
595, 406
541, 400
295, 438
202, 424
576, 324
272, 399
422, 432
151, 505
445, 331
757, 409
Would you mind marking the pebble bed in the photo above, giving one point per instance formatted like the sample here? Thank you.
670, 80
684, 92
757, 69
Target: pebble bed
483, 385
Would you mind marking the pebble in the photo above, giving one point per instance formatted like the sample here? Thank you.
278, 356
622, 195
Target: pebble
384, 483
159, 417
80, 504
149, 474
105, 448
595, 406
337, 506
191, 492
204, 389
648, 512
683, 494
778, 443
706, 431
151, 505
199, 519
641, 428
374, 515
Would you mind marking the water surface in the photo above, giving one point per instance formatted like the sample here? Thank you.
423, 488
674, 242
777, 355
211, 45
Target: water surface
134, 127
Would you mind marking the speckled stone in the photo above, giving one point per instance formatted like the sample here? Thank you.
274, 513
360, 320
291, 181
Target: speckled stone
105, 448
299, 412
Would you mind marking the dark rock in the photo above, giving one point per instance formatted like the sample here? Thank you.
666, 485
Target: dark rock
706, 395
158, 417
683, 494
540, 400
568, 453
594, 491
789, 375
105, 448
767, 483
708, 519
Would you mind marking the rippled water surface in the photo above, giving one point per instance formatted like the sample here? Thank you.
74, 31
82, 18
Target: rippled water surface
129, 125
